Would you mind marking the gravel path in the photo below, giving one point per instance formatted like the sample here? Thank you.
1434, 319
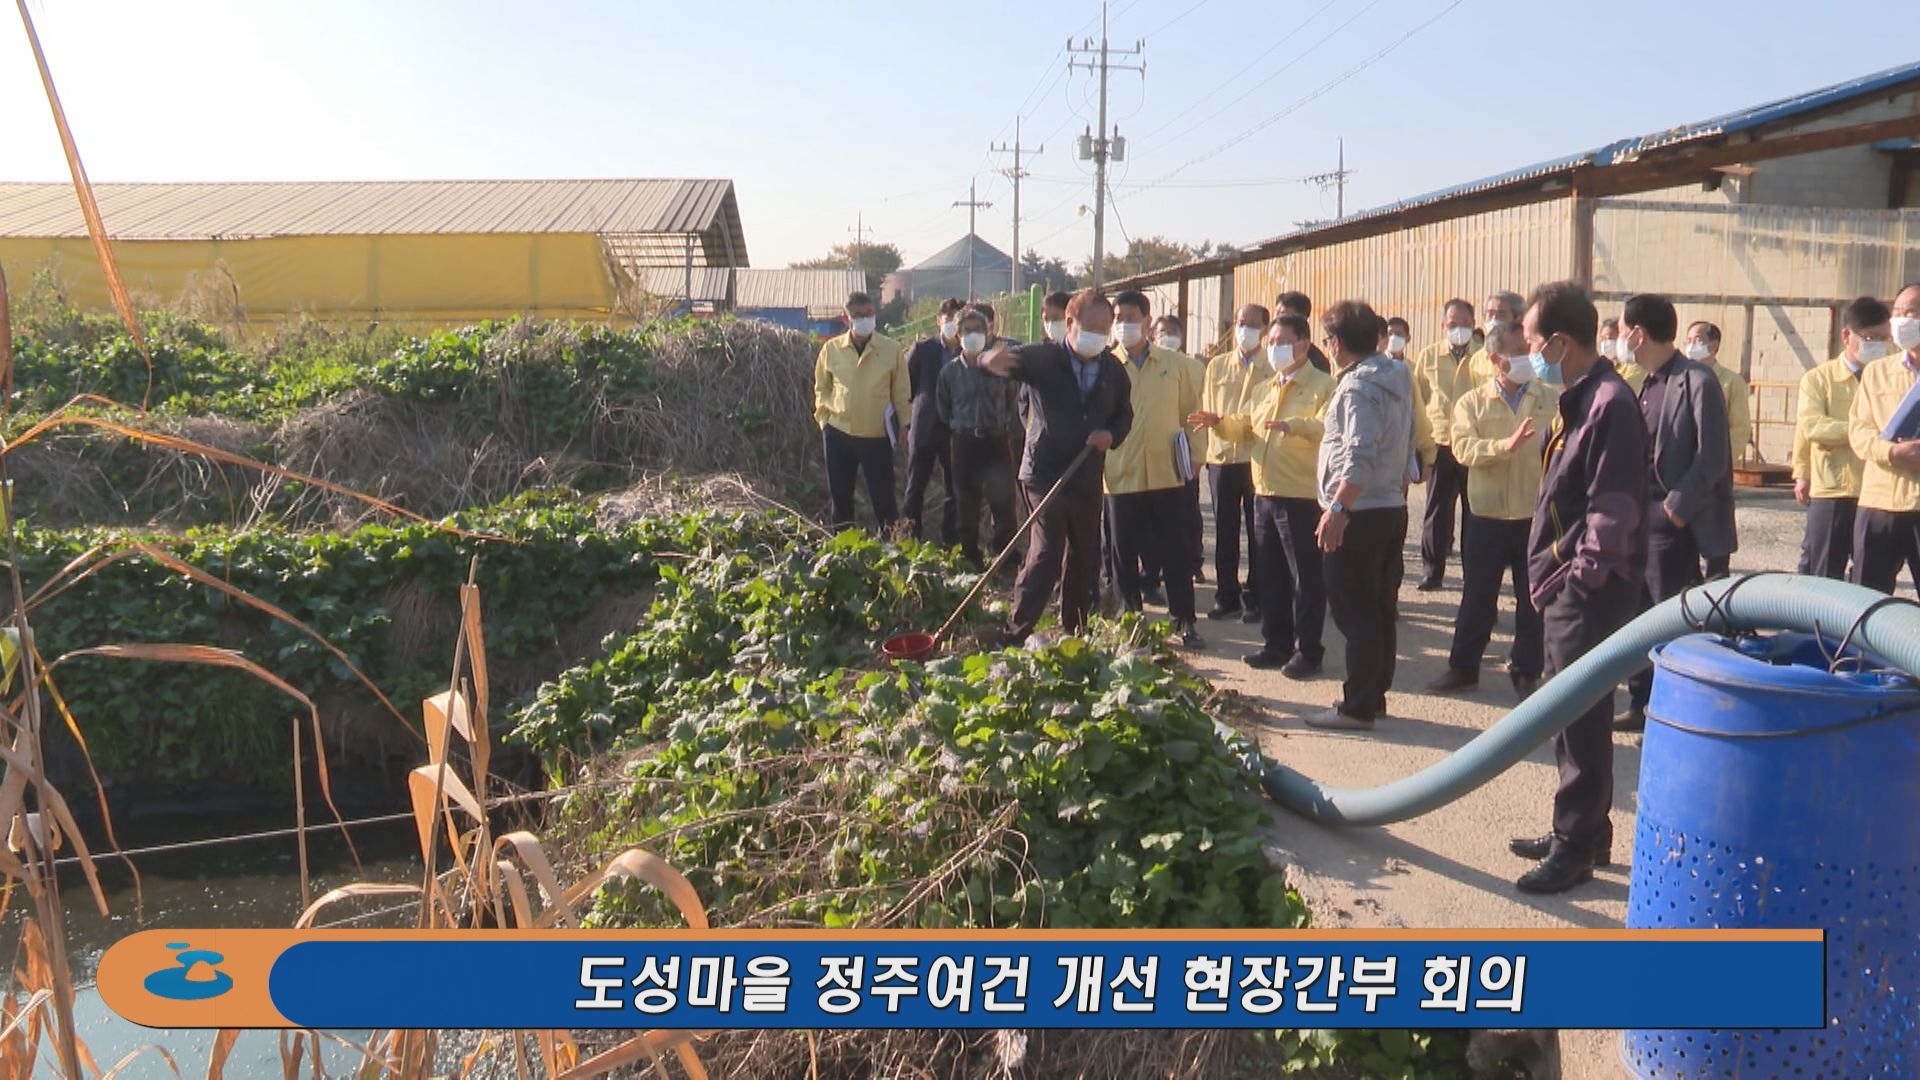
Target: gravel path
1449, 868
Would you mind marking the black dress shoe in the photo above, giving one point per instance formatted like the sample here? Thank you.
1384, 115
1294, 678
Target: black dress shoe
1539, 847
1430, 583
1300, 668
1454, 681
1634, 719
1266, 661
1561, 871
1251, 615
1223, 611
1525, 685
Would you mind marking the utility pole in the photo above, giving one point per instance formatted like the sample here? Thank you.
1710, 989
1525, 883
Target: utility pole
1016, 174
1337, 179
859, 232
973, 205
1096, 145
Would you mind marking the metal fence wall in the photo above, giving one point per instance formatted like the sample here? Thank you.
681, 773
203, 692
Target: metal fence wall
1414, 272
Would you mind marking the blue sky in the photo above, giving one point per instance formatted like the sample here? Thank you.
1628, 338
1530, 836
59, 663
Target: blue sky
825, 111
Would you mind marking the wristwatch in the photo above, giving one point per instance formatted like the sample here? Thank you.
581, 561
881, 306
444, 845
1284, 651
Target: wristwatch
1336, 507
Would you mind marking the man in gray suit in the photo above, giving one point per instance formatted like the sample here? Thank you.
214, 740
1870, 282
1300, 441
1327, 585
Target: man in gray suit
1690, 486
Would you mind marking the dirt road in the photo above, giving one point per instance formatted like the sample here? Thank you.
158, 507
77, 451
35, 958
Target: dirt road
1450, 868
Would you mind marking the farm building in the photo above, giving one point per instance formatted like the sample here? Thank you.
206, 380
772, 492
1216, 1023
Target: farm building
813, 301
1765, 222
415, 251
945, 272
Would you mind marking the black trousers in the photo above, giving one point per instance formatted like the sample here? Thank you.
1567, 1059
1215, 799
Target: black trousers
1232, 513
1153, 523
847, 456
1490, 550
1363, 589
1673, 566
922, 458
1575, 621
1064, 550
1883, 542
1828, 542
983, 472
1446, 495
1152, 574
1293, 577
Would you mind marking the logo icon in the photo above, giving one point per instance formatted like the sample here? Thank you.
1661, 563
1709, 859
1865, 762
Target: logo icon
195, 979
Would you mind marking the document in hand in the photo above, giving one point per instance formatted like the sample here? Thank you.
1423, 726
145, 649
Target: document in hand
1905, 423
1182, 456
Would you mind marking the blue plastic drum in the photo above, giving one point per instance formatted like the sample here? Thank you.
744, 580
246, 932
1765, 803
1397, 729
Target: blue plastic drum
1777, 793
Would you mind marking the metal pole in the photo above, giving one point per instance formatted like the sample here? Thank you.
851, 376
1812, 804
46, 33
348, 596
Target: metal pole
1014, 286
1100, 164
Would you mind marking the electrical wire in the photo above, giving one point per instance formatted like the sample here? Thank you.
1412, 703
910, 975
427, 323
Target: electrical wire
1234, 79
1308, 99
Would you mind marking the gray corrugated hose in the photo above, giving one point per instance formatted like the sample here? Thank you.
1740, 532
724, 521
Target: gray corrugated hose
1886, 627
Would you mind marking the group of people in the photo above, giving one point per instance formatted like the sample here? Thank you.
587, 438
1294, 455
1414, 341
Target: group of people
1590, 462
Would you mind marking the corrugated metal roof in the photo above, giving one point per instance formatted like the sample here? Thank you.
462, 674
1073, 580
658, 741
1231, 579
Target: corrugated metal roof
246, 210
815, 290
1625, 149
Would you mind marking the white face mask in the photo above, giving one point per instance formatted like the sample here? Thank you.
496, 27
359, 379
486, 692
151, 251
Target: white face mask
1396, 344
1280, 356
1697, 350
948, 327
1170, 341
972, 342
1906, 333
1128, 334
1490, 324
863, 327
1056, 331
1460, 336
1873, 350
1610, 349
1247, 337
1520, 370
1089, 344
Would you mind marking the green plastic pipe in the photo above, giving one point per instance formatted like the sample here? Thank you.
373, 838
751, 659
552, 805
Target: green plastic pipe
1886, 627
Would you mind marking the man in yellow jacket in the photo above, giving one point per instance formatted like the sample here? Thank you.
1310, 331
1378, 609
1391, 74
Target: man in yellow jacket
857, 378
1826, 471
1441, 372
1146, 476
1703, 344
1235, 380
1884, 429
1499, 429
1281, 432
1634, 374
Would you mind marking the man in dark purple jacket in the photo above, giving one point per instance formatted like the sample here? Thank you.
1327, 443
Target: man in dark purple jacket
1586, 558
928, 438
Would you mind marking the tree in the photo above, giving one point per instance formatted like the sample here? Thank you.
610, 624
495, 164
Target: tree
1049, 274
878, 260
1155, 253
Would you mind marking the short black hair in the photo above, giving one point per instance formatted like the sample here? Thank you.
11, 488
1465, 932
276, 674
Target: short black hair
1265, 315
1136, 299
1405, 327
1058, 299
951, 304
1447, 308
1355, 325
858, 299
1297, 302
1713, 332
1302, 329
1084, 299
992, 316
1566, 309
1179, 325
1654, 314
972, 312
1866, 313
